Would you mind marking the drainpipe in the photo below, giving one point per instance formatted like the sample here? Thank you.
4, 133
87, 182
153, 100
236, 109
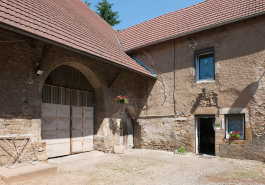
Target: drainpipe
174, 96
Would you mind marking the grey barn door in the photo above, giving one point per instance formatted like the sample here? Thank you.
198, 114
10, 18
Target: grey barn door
56, 129
67, 126
82, 121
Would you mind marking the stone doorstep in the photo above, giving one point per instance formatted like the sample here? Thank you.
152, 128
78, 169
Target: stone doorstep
26, 172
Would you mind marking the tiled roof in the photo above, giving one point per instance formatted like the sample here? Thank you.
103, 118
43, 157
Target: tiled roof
68, 22
201, 16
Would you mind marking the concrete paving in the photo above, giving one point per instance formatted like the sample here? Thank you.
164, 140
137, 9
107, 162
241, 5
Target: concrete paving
26, 172
195, 160
140, 166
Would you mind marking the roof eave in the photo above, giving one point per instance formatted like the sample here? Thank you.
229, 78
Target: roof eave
20, 31
194, 31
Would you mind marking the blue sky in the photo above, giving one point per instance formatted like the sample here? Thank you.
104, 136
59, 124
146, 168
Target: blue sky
133, 12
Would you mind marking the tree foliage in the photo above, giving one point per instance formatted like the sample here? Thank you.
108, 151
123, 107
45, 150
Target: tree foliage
87, 3
104, 10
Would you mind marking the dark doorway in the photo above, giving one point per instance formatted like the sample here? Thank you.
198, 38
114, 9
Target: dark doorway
206, 136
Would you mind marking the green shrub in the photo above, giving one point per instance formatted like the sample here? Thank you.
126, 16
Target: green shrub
182, 150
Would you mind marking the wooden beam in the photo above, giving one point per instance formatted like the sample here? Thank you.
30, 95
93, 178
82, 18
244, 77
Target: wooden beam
45, 51
32, 43
117, 74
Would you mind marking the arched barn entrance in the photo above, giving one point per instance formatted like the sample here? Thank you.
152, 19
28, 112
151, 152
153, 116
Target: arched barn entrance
67, 112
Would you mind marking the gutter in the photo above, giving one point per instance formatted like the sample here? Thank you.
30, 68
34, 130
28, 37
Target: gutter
22, 32
119, 41
195, 31
144, 66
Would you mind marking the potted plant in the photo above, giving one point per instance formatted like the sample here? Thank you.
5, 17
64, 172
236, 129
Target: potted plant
216, 126
121, 99
234, 135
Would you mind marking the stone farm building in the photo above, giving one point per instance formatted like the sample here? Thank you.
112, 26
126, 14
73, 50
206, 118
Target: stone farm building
182, 71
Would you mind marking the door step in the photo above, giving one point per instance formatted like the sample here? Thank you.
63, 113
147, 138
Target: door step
26, 172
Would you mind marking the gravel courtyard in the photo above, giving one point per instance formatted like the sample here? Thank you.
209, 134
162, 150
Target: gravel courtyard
151, 167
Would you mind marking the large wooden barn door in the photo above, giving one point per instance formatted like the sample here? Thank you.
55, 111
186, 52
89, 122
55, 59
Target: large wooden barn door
56, 121
82, 122
67, 114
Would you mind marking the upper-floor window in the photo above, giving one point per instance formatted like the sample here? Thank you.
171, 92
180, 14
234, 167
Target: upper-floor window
204, 65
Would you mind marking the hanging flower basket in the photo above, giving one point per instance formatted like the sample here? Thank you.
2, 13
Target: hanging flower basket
216, 126
121, 99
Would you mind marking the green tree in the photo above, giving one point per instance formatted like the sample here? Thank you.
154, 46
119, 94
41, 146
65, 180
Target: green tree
104, 10
87, 3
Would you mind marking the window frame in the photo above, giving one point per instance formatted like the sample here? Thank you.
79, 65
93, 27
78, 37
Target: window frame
196, 59
226, 124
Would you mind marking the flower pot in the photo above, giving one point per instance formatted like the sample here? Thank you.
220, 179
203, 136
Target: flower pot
234, 138
216, 128
121, 101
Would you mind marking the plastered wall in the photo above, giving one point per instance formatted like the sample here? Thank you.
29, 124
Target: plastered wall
239, 52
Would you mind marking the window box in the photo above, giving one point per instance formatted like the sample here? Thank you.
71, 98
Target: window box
235, 123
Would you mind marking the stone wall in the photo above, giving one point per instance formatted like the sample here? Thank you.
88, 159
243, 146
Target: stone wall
21, 90
239, 53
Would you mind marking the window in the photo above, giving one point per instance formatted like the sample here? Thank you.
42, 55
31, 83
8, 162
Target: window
235, 123
204, 65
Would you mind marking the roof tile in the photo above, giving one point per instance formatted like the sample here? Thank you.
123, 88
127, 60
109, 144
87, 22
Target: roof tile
203, 15
68, 22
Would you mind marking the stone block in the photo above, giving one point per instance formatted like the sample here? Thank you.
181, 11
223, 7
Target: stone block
180, 119
12, 127
206, 110
177, 128
233, 110
118, 149
36, 123
248, 133
219, 142
217, 150
183, 131
192, 143
219, 136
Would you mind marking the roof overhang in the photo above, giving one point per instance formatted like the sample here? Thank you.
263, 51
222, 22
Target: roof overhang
194, 31
22, 32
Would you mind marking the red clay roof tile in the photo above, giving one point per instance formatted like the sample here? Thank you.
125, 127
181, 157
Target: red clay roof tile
181, 22
71, 23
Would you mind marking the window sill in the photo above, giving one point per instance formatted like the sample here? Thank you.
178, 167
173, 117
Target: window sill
197, 83
205, 81
239, 142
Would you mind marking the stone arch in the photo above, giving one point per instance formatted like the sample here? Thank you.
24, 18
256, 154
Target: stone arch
132, 111
83, 66
84, 69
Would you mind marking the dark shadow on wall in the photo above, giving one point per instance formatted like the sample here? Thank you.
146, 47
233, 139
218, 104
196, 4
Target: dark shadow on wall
137, 136
114, 127
245, 96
